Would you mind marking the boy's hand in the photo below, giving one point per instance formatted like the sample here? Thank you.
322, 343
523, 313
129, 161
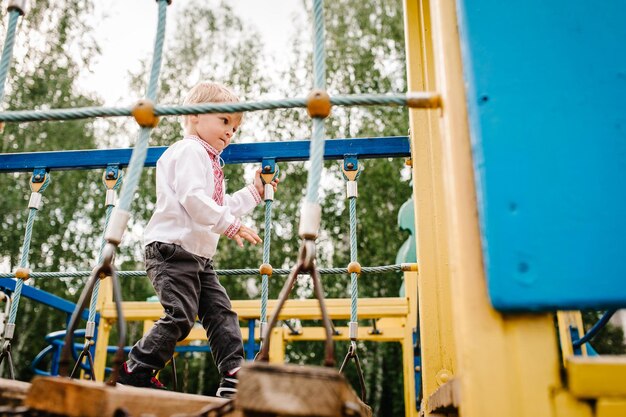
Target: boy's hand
258, 183
247, 234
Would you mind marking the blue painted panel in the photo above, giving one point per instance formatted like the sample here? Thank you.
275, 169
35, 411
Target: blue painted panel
238, 153
546, 87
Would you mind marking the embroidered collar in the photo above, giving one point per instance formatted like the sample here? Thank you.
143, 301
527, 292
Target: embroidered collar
213, 153
210, 149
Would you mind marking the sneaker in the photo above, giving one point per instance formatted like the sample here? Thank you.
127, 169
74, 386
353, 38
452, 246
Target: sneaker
228, 386
140, 377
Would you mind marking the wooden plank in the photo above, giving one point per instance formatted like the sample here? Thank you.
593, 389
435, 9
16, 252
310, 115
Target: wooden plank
446, 398
13, 393
78, 398
297, 391
338, 308
597, 376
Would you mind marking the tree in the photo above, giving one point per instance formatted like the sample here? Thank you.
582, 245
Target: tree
66, 232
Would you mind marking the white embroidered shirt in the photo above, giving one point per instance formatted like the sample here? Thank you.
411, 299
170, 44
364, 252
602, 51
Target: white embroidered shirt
192, 209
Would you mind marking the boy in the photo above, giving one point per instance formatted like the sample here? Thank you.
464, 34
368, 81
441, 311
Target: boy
181, 238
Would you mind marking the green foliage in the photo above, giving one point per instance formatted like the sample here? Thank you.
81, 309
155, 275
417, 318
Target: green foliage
66, 232
610, 340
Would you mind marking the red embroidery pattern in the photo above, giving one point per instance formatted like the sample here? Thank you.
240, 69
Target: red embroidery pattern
218, 174
233, 229
255, 193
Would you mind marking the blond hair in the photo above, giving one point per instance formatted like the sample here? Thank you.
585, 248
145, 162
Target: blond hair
210, 92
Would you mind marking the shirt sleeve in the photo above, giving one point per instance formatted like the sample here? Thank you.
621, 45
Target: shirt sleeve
243, 201
193, 184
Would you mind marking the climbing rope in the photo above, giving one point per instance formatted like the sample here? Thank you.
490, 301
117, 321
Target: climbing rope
143, 112
112, 179
16, 9
351, 172
318, 108
329, 359
39, 182
425, 100
269, 172
229, 272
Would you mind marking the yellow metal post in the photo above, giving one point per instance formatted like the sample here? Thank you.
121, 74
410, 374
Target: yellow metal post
567, 320
105, 296
410, 287
277, 346
435, 300
506, 365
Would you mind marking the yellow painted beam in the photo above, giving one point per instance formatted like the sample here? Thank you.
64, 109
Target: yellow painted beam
277, 346
105, 296
389, 334
302, 309
611, 407
318, 334
198, 333
507, 365
597, 376
435, 296
565, 405
565, 320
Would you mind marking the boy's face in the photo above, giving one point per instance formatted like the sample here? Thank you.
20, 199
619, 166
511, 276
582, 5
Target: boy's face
215, 129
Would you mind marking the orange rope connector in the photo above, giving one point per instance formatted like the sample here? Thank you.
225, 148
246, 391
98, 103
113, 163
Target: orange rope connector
423, 100
266, 269
318, 104
143, 112
22, 273
354, 266
409, 267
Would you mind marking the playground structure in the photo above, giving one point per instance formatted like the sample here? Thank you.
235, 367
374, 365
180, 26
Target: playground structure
498, 208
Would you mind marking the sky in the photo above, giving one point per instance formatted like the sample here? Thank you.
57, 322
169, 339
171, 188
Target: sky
122, 49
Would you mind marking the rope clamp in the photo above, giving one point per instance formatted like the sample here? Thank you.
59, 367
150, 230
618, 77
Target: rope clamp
409, 267
423, 100
263, 330
90, 329
9, 330
310, 219
351, 168
117, 226
110, 176
318, 104
19, 5
38, 179
269, 172
143, 112
353, 327
35, 200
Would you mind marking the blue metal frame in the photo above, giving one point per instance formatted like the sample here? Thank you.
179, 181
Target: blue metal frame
44, 297
238, 153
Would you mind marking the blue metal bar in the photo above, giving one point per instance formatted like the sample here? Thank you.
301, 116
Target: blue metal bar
44, 297
251, 346
595, 329
238, 153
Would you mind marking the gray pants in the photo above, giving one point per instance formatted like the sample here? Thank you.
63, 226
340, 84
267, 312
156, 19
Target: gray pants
187, 286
